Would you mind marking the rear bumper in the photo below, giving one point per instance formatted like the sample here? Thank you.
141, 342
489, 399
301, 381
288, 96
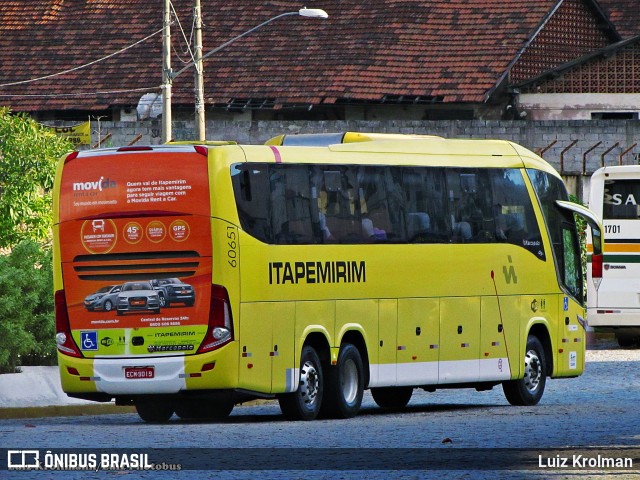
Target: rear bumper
615, 317
217, 370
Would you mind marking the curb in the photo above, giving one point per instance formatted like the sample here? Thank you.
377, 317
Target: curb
64, 411
85, 409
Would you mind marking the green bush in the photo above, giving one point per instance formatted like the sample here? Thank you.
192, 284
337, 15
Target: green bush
28, 157
27, 320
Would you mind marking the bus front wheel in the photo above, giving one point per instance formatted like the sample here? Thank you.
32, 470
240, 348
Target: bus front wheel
345, 384
305, 402
528, 390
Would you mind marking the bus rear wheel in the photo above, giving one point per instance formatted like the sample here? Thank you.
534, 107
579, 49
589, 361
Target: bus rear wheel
204, 409
528, 390
345, 384
154, 410
305, 402
392, 397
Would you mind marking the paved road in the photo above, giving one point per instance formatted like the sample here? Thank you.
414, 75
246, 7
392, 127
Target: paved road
437, 434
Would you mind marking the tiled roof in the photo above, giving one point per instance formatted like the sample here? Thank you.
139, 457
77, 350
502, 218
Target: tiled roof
612, 69
624, 14
433, 50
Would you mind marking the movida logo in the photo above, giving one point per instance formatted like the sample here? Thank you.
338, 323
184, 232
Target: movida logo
100, 184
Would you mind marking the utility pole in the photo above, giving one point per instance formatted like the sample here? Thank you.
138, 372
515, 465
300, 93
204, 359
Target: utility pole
199, 73
167, 77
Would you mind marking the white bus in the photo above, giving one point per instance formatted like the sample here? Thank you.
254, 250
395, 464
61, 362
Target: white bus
613, 297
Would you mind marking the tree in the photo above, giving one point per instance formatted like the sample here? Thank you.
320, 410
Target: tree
27, 324
28, 157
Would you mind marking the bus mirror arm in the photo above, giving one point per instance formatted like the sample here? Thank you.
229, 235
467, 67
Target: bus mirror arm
592, 220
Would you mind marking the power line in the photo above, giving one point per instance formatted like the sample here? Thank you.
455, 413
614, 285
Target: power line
21, 82
81, 94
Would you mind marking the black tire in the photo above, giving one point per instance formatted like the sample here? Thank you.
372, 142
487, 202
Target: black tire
626, 341
155, 411
304, 403
344, 386
528, 390
392, 397
108, 306
204, 409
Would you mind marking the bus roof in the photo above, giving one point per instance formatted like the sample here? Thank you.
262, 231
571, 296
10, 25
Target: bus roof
326, 139
461, 152
407, 150
618, 171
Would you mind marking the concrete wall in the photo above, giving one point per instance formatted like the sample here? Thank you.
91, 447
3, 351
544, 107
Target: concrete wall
574, 147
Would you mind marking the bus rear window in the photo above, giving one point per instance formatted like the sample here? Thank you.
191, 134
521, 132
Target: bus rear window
621, 200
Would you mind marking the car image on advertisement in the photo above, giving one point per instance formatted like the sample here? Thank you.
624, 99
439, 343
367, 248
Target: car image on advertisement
104, 299
174, 290
138, 296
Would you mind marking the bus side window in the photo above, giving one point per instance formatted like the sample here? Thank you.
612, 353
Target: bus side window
301, 212
516, 222
474, 220
381, 202
251, 187
342, 210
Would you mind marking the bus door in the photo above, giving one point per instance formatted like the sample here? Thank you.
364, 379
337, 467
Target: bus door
572, 324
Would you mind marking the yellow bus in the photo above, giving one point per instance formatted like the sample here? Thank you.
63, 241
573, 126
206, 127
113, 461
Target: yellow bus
190, 278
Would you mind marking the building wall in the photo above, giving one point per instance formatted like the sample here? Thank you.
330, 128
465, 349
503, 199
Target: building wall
578, 106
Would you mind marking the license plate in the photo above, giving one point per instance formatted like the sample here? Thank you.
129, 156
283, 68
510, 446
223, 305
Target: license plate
137, 302
138, 372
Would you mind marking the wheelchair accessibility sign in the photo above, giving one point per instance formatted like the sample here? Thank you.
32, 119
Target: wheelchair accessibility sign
89, 340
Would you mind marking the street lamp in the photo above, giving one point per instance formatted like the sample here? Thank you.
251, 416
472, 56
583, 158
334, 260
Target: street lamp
169, 75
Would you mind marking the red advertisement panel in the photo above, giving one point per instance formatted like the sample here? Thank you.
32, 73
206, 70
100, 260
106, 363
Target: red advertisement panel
135, 246
133, 182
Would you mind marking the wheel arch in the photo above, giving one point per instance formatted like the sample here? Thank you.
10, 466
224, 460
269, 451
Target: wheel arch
355, 338
320, 344
541, 332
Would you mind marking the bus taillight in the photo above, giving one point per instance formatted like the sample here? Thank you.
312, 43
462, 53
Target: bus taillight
596, 269
220, 329
64, 339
